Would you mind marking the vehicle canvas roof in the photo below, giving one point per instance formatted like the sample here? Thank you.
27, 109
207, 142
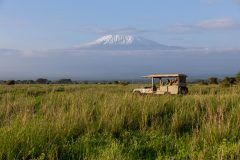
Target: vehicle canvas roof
164, 75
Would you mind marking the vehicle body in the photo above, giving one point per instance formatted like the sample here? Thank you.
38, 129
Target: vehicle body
168, 84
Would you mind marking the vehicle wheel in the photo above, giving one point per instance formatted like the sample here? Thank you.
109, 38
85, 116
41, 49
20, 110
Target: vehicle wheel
167, 93
183, 90
137, 93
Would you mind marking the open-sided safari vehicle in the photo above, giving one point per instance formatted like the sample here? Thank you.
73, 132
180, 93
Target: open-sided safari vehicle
168, 84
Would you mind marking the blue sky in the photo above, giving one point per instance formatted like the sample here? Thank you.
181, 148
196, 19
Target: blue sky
45, 24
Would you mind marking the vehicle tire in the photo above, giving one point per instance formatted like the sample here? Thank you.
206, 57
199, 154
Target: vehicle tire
137, 93
183, 90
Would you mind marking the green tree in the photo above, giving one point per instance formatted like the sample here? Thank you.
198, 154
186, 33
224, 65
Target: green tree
42, 81
10, 82
213, 80
230, 80
65, 81
238, 77
116, 82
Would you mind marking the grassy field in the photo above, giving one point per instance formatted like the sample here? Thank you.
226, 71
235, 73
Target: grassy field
108, 122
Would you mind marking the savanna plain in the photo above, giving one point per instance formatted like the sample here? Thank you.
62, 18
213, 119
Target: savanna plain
108, 122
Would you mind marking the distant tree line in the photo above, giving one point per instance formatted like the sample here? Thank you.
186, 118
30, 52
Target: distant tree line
225, 82
60, 81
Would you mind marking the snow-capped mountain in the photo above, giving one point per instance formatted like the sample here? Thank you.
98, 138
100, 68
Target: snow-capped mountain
124, 42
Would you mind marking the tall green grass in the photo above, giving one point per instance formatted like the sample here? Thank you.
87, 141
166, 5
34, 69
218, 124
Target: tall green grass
108, 122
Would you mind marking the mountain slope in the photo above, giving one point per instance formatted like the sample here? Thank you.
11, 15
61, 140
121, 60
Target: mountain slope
125, 42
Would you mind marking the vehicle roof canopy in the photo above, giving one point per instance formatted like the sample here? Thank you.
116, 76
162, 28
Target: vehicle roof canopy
164, 75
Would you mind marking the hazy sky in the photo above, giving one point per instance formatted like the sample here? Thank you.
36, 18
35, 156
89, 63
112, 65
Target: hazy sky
35, 36
44, 24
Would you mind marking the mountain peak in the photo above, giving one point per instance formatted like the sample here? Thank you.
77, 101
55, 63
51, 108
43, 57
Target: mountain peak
116, 39
124, 42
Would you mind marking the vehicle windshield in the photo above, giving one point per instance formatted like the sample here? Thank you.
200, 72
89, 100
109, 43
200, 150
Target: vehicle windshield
167, 81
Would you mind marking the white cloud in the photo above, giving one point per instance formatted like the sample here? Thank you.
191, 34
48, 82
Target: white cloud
183, 29
223, 23
110, 65
9, 52
103, 31
82, 64
210, 24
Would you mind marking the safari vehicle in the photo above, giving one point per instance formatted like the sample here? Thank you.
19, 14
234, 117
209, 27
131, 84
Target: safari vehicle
168, 84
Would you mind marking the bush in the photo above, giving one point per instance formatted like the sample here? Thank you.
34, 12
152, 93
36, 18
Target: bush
230, 80
42, 81
116, 82
202, 82
124, 83
10, 82
60, 89
85, 82
27, 82
65, 81
213, 80
225, 84
238, 77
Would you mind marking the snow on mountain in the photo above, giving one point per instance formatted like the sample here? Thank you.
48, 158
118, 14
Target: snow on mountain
116, 39
124, 42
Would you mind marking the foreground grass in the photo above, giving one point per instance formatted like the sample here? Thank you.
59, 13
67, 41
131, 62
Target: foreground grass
108, 122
